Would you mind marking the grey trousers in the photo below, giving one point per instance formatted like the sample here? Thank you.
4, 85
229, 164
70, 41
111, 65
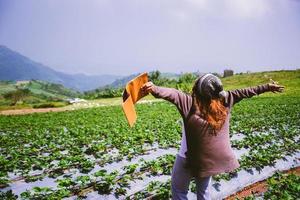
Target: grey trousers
180, 182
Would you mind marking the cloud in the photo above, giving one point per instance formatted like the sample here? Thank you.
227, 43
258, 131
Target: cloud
200, 4
102, 36
248, 9
238, 9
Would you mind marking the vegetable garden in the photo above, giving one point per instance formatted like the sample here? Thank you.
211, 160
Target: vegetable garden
92, 153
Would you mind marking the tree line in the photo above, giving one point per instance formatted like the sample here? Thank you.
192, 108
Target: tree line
183, 82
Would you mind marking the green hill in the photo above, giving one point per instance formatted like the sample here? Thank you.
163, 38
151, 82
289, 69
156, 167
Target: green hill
38, 92
288, 78
38, 87
184, 82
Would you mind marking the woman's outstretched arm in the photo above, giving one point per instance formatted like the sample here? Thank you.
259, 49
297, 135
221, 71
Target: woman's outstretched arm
234, 96
180, 99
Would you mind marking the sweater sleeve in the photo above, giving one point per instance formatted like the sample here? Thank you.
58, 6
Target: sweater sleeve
181, 100
234, 96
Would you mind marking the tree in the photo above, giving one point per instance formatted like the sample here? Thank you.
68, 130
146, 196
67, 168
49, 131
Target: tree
186, 81
187, 78
155, 76
17, 95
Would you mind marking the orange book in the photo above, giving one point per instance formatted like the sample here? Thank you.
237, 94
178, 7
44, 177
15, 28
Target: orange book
131, 95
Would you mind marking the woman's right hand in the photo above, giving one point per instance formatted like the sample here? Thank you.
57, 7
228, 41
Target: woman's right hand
148, 87
275, 87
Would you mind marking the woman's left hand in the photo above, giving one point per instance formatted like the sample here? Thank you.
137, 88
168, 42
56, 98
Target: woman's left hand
147, 87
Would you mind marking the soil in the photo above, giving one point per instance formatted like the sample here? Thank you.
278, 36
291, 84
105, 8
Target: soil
256, 188
31, 110
25, 111
259, 187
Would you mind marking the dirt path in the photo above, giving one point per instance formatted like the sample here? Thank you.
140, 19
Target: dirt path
67, 108
31, 110
259, 187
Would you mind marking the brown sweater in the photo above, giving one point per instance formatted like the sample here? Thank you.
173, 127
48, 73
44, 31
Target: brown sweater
208, 154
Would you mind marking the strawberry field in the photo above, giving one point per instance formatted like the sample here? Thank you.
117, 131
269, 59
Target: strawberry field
92, 153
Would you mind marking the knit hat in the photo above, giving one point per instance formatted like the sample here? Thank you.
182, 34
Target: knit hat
209, 87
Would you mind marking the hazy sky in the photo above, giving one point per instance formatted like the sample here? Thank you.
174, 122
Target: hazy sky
128, 36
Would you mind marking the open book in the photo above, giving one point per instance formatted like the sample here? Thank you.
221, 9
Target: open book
131, 95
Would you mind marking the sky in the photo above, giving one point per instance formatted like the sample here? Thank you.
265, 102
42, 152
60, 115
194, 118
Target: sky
131, 36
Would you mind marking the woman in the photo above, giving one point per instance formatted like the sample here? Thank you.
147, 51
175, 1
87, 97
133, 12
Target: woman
205, 147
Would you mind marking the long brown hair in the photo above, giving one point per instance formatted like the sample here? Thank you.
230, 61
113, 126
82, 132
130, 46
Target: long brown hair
212, 110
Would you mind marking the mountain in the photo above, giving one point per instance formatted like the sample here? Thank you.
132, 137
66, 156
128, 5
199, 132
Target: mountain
16, 67
121, 82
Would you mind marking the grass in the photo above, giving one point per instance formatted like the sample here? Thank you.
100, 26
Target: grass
41, 94
115, 100
16, 107
51, 105
289, 79
95, 131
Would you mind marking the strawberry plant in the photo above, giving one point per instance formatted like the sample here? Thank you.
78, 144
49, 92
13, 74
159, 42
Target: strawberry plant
283, 186
53, 144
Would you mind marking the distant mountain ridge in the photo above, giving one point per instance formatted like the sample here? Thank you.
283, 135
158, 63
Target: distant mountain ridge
121, 82
16, 67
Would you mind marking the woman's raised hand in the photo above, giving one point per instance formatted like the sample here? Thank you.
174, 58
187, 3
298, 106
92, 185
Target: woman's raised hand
147, 87
275, 87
